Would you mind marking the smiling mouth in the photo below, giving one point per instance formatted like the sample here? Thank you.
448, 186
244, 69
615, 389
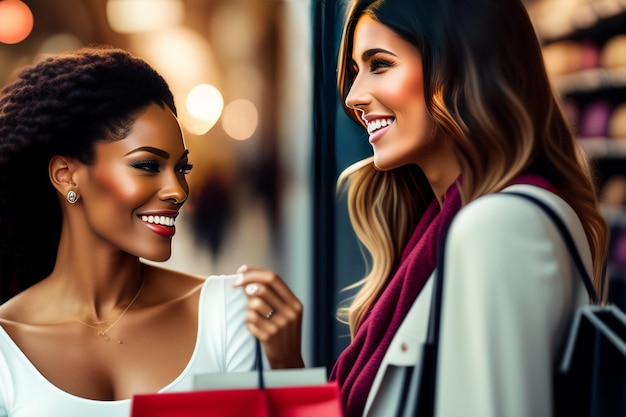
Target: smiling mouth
160, 220
374, 125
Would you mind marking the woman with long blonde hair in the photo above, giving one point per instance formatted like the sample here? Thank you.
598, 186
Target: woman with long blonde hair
457, 105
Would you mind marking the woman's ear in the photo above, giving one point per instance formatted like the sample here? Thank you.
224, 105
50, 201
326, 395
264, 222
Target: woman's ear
62, 171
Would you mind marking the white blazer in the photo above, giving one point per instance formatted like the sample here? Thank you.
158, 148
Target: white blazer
508, 302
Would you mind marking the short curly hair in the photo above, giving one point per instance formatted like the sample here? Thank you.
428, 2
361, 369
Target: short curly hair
62, 105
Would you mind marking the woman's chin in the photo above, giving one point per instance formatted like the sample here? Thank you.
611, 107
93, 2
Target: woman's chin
160, 257
384, 165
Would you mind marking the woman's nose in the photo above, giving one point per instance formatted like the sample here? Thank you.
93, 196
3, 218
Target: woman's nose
357, 97
175, 189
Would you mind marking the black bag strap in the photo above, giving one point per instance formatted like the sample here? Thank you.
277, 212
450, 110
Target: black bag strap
427, 386
428, 378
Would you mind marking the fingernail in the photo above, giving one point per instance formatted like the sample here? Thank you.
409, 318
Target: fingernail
251, 289
242, 268
237, 282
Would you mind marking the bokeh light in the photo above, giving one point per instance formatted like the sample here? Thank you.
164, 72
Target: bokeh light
185, 59
16, 21
205, 104
240, 119
132, 16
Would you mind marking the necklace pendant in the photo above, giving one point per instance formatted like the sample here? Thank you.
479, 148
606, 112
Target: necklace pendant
103, 332
104, 336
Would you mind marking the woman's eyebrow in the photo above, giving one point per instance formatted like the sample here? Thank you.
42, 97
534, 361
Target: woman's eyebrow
371, 52
156, 151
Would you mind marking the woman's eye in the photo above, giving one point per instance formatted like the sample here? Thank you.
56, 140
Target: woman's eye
149, 166
184, 169
377, 64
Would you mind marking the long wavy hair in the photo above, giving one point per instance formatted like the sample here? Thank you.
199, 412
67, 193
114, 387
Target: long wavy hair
487, 90
62, 105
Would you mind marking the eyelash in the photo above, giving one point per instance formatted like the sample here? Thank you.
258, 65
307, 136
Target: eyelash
379, 63
148, 166
376, 65
185, 168
154, 167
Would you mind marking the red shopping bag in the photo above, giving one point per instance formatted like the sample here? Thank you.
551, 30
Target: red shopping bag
222, 403
304, 401
300, 398
307, 401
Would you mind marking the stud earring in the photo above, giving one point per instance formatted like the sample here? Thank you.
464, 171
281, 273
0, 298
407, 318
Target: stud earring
71, 196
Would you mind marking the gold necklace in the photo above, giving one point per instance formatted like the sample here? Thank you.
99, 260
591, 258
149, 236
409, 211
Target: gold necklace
103, 333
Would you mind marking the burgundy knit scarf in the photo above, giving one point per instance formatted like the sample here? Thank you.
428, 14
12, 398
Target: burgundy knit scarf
358, 364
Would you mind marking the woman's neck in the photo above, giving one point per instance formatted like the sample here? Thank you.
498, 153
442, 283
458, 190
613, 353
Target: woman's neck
440, 184
95, 284
441, 168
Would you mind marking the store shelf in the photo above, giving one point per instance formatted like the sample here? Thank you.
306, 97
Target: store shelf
604, 147
590, 80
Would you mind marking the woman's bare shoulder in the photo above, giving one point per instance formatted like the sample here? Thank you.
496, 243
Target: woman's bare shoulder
21, 305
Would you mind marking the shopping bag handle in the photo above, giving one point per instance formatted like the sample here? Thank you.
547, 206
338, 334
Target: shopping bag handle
258, 362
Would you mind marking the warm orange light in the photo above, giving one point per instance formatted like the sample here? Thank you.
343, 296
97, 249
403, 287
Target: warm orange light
16, 21
240, 119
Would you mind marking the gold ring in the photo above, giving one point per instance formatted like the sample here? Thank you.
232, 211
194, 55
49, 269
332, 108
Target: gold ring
270, 314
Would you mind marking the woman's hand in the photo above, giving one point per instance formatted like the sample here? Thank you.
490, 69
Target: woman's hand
274, 316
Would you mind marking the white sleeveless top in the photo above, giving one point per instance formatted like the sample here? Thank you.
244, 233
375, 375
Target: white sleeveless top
223, 344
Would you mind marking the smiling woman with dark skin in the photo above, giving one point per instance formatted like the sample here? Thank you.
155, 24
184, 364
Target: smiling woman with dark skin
93, 170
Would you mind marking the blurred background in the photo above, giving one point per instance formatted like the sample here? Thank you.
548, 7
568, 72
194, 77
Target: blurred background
254, 83
584, 46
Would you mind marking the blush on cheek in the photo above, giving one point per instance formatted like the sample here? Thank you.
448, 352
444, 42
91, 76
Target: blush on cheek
120, 188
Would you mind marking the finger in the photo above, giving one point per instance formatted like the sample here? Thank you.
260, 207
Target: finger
281, 342
290, 309
264, 276
262, 332
267, 284
273, 282
272, 330
264, 309
267, 330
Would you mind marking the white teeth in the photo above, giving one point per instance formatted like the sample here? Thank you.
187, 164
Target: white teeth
377, 124
162, 220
